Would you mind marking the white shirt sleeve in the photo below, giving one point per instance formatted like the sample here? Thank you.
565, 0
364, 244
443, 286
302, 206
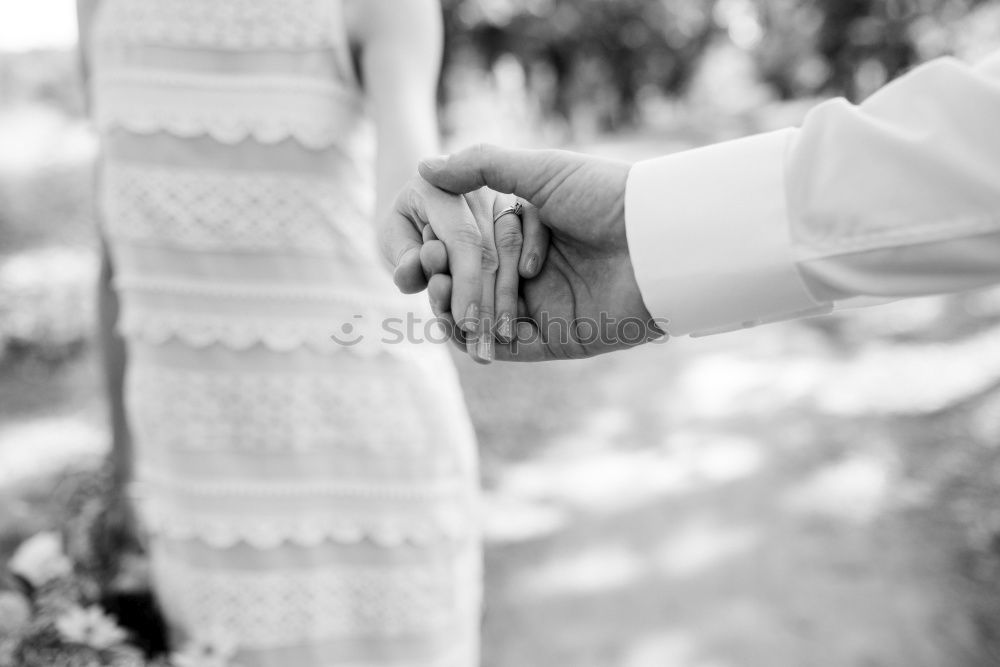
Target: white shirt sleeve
899, 196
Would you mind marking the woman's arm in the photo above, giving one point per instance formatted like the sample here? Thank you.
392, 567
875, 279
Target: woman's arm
401, 45
400, 57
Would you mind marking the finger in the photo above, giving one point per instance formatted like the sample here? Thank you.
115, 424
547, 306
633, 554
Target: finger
433, 257
439, 290
536, 242
508, 240
429, 234
481, 346
439, 295
525, 173
453, 222
408, 276
400, 241
484, 208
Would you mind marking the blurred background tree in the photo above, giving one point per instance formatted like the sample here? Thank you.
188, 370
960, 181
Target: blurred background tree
587, 51
606, 53
851, 47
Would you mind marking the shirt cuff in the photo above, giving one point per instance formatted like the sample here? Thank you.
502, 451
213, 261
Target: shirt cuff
709, 237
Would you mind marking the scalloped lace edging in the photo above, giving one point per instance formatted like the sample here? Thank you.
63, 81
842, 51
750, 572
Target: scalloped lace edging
242, 333
271, 533
229, 109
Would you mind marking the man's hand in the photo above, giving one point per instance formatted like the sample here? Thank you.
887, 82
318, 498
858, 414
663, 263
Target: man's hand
428, 226
585, 300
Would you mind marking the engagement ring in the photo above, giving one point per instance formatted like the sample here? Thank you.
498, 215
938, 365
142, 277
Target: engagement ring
515, 209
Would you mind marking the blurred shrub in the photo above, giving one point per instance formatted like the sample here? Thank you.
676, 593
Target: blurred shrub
851, 47
607, 53
46, 154
579, 52
48, 77
48, 203
47, 301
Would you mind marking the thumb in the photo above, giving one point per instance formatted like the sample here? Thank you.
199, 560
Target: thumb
525, 173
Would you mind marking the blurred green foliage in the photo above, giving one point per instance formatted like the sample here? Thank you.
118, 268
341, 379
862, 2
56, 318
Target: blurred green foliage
589, 50
858, 45
586, 48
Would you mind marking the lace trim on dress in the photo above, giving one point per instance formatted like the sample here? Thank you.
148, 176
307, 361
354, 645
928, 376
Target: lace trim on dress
223, 532
223, 24
199, 209
230, 109
393, 490
240, 332
278, 412
265, 609
229, 291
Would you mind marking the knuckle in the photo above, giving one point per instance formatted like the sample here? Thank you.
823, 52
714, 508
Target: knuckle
467, 236
409, 199
481, 150
509, 237
507, 284
490, 259
396, 255
434, 252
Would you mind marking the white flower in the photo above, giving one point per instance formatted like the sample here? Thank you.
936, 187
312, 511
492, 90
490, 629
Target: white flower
41, 559
91, 627
15, 612
213, 649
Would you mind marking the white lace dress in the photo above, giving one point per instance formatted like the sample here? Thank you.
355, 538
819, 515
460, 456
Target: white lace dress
314, 502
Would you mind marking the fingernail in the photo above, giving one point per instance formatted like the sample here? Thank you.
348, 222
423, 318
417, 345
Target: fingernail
504, 329
471, 323
531, 264
434, 163
484, 350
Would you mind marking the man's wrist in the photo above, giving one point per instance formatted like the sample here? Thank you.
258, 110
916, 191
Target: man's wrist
708, 234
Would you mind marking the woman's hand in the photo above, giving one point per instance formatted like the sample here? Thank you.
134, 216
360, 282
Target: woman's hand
585, 299
484, 304
513, 243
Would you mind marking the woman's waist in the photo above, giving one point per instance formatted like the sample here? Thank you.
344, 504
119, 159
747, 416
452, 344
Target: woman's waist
203, 202
151, 267
279, 316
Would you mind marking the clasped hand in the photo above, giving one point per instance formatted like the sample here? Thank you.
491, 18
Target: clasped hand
557, 283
